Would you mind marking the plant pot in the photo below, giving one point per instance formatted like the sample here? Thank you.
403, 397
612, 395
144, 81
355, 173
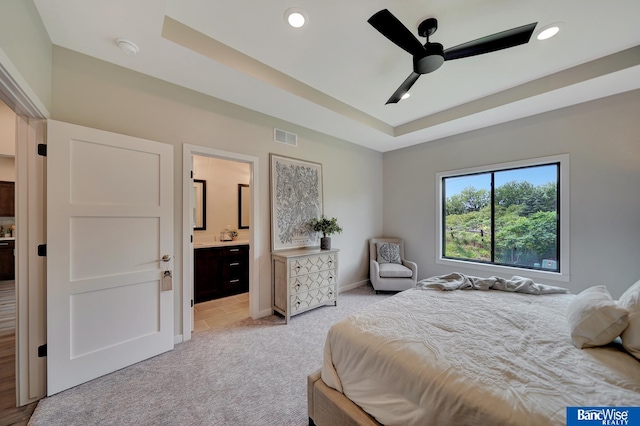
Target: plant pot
325, 243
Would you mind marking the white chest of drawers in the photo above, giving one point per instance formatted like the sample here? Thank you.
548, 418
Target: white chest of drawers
304, 279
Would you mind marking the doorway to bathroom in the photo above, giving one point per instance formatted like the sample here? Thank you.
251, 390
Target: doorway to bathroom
221, 216
22, 282
220, 246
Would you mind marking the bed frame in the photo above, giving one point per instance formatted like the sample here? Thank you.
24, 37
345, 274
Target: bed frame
328, 407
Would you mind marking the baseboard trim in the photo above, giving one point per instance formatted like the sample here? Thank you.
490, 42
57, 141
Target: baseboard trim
177, 339
352, 286
264, 313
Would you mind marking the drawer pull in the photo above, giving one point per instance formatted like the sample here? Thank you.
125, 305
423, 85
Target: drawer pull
234, 249
234, 264
234, 281
4, 244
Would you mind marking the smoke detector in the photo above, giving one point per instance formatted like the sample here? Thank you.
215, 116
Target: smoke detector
127, 46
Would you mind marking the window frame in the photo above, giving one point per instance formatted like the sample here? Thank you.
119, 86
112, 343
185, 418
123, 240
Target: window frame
564, 215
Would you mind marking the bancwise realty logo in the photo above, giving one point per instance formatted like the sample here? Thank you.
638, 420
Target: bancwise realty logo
603, 416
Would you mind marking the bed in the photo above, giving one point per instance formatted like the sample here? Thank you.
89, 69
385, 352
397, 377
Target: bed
464, 357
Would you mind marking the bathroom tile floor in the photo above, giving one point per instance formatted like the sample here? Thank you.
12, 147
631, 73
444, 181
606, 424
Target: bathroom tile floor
214, 313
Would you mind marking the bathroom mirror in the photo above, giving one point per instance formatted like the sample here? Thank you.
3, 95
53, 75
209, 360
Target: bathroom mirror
199, 198
244, 206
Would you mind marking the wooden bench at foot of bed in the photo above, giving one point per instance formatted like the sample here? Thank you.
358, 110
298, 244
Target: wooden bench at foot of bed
328, 407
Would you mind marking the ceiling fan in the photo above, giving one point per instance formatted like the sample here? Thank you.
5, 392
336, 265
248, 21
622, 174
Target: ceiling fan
430, 56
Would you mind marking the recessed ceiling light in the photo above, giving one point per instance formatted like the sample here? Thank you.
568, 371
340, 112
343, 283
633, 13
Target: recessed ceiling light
295, 17
406, 95
548, 31
127, 46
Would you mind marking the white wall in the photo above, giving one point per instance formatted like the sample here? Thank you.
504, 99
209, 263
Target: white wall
93, 93
222, 178
602, 138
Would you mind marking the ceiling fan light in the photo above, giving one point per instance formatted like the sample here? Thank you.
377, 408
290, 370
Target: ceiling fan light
405, 96
295, 17
548, 32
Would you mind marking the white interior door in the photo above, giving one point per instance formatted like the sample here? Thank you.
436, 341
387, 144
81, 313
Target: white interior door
109, 222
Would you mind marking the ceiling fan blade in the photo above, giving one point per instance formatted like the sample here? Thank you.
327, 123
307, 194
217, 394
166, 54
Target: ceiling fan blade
404, 88
390, 27
498, 41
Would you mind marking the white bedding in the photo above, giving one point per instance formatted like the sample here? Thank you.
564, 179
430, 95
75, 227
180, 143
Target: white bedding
429, 357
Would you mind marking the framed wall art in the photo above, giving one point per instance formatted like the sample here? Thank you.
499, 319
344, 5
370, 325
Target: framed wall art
296, 198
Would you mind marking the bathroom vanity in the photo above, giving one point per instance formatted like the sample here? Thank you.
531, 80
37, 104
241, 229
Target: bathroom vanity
7, 259
221, 269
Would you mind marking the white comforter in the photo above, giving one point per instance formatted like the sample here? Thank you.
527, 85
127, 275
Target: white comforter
429, 357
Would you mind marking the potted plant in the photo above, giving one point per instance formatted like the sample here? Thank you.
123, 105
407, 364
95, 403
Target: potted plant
326, 227
228, 234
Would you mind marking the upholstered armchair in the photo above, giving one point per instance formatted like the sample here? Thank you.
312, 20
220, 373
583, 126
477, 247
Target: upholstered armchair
388, 269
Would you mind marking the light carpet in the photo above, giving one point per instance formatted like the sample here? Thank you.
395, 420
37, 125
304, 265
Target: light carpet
252, 372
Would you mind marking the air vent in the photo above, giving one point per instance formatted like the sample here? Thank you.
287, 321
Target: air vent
285, 137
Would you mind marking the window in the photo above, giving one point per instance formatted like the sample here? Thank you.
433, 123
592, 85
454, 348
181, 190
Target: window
507, 215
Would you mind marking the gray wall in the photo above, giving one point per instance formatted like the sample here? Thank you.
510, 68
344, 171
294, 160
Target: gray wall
602, 138
96, 94
24, 39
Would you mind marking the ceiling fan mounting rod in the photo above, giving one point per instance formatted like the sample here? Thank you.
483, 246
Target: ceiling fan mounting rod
427, 27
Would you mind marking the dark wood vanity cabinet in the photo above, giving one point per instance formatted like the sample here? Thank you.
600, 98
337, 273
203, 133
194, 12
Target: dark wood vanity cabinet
220, 272
7, 199
7, 260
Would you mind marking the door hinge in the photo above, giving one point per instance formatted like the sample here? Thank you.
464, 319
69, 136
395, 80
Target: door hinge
42, 351
42, 149
191, 174
192, 303
192, 238
42, 250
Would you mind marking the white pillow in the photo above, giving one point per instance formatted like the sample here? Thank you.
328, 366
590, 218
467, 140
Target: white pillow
630, 300
388, 253
594, 318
